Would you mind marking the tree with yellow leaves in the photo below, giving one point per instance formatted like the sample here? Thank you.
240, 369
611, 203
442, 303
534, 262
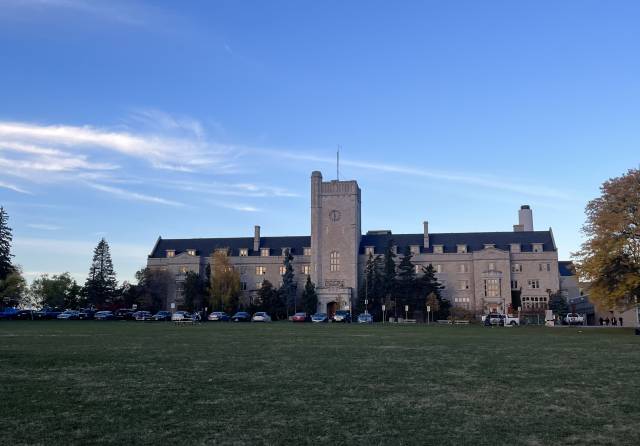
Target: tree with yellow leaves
224, 283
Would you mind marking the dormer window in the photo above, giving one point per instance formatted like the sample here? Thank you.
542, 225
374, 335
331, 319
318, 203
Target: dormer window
191, 252
462, 249
244, 252
489, 245
537, 247
264, 252
369, 250
394, 249
415, 249
515, 247
285, 250
306, 251
171, 252
438, 249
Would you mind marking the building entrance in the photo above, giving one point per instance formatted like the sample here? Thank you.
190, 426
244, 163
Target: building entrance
332, 307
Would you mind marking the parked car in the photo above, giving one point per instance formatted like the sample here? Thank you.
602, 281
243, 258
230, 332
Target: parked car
104, 316
162, 316
86, 313
494, 319
124, 314
342, 316
47, 313
365, 318
241, 316
181, 316
301, 317
143, 316
219, 316
574, 319
69, 315
9, 313
261, 316
320, 317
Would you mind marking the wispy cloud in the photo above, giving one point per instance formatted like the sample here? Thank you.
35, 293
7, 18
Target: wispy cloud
135, 196
110, 10
44, 226
463, 178
14, 188
249, 190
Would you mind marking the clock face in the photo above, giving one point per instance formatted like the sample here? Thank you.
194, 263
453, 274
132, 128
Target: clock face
334, 215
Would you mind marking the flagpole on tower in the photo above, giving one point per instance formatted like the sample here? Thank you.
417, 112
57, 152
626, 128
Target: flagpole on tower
338, 164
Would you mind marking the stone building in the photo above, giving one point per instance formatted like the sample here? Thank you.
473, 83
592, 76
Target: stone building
479, 270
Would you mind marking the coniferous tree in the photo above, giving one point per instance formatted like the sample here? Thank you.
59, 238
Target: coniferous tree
195, 291
389, 282
270, 300
101, 284
289, 287
309, 297
6, 267
153, 289
429, 284
407, 280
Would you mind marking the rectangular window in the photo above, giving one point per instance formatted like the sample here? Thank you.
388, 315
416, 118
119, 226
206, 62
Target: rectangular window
261, 270
463, 284
462, 249
244, 252
285, 250
264, 252
183, 270
492, 266
463, 268
258, 285
417, 269
537, 247
438, 268
283, 269
191, 252
306, 269
334, 261
544, 266
306, 251
243, 286
514, 285
438, 249
516, 268
171, 252
533, 284
369, 250
515, 247
492, 287
415, 249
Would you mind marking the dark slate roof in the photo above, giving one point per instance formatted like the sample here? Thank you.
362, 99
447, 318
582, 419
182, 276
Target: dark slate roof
475, 241
566, 268
206, 246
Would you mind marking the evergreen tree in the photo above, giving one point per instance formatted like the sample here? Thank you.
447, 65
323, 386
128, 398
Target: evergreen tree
152, 291
407, 280
389, 282
6, 267
309, 297
270, 300
101, 283
195, 291
429, 284
289, 287
558, 304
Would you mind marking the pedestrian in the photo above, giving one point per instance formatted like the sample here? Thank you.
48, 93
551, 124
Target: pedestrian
620, 319
601, 321
614, 322
606, 322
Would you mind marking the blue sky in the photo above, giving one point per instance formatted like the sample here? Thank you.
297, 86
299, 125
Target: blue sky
135, 119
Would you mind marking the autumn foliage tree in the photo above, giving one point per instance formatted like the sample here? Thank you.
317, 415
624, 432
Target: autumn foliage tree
224, 283
610, 257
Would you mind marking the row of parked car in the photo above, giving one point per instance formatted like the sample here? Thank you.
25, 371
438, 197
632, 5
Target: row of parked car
177, 316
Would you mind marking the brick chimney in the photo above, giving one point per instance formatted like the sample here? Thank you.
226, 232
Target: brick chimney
256, 238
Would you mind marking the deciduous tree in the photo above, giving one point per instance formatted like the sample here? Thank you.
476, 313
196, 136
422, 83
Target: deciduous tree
224, 286
57, 291
610, 257
13, 289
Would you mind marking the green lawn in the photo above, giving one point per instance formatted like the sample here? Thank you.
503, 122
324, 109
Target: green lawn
153, 383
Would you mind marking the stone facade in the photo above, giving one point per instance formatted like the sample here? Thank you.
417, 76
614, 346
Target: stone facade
479, 270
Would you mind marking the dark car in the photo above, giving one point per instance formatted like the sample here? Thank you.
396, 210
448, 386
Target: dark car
104, 316
125, 314
301, 317
218, 316
241, 316
162, 316
342, 316
47, 313
23, 315
69, 315
86, 314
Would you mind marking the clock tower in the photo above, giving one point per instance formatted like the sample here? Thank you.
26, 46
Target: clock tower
335, 242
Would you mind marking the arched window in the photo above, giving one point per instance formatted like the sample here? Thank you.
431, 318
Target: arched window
334, 261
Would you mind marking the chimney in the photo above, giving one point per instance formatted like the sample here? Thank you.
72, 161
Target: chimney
518, 228
525, 218
256, 238
426, 234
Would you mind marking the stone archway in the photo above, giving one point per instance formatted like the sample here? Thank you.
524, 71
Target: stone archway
332, 307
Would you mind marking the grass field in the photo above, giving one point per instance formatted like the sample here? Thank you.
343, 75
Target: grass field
144, 383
